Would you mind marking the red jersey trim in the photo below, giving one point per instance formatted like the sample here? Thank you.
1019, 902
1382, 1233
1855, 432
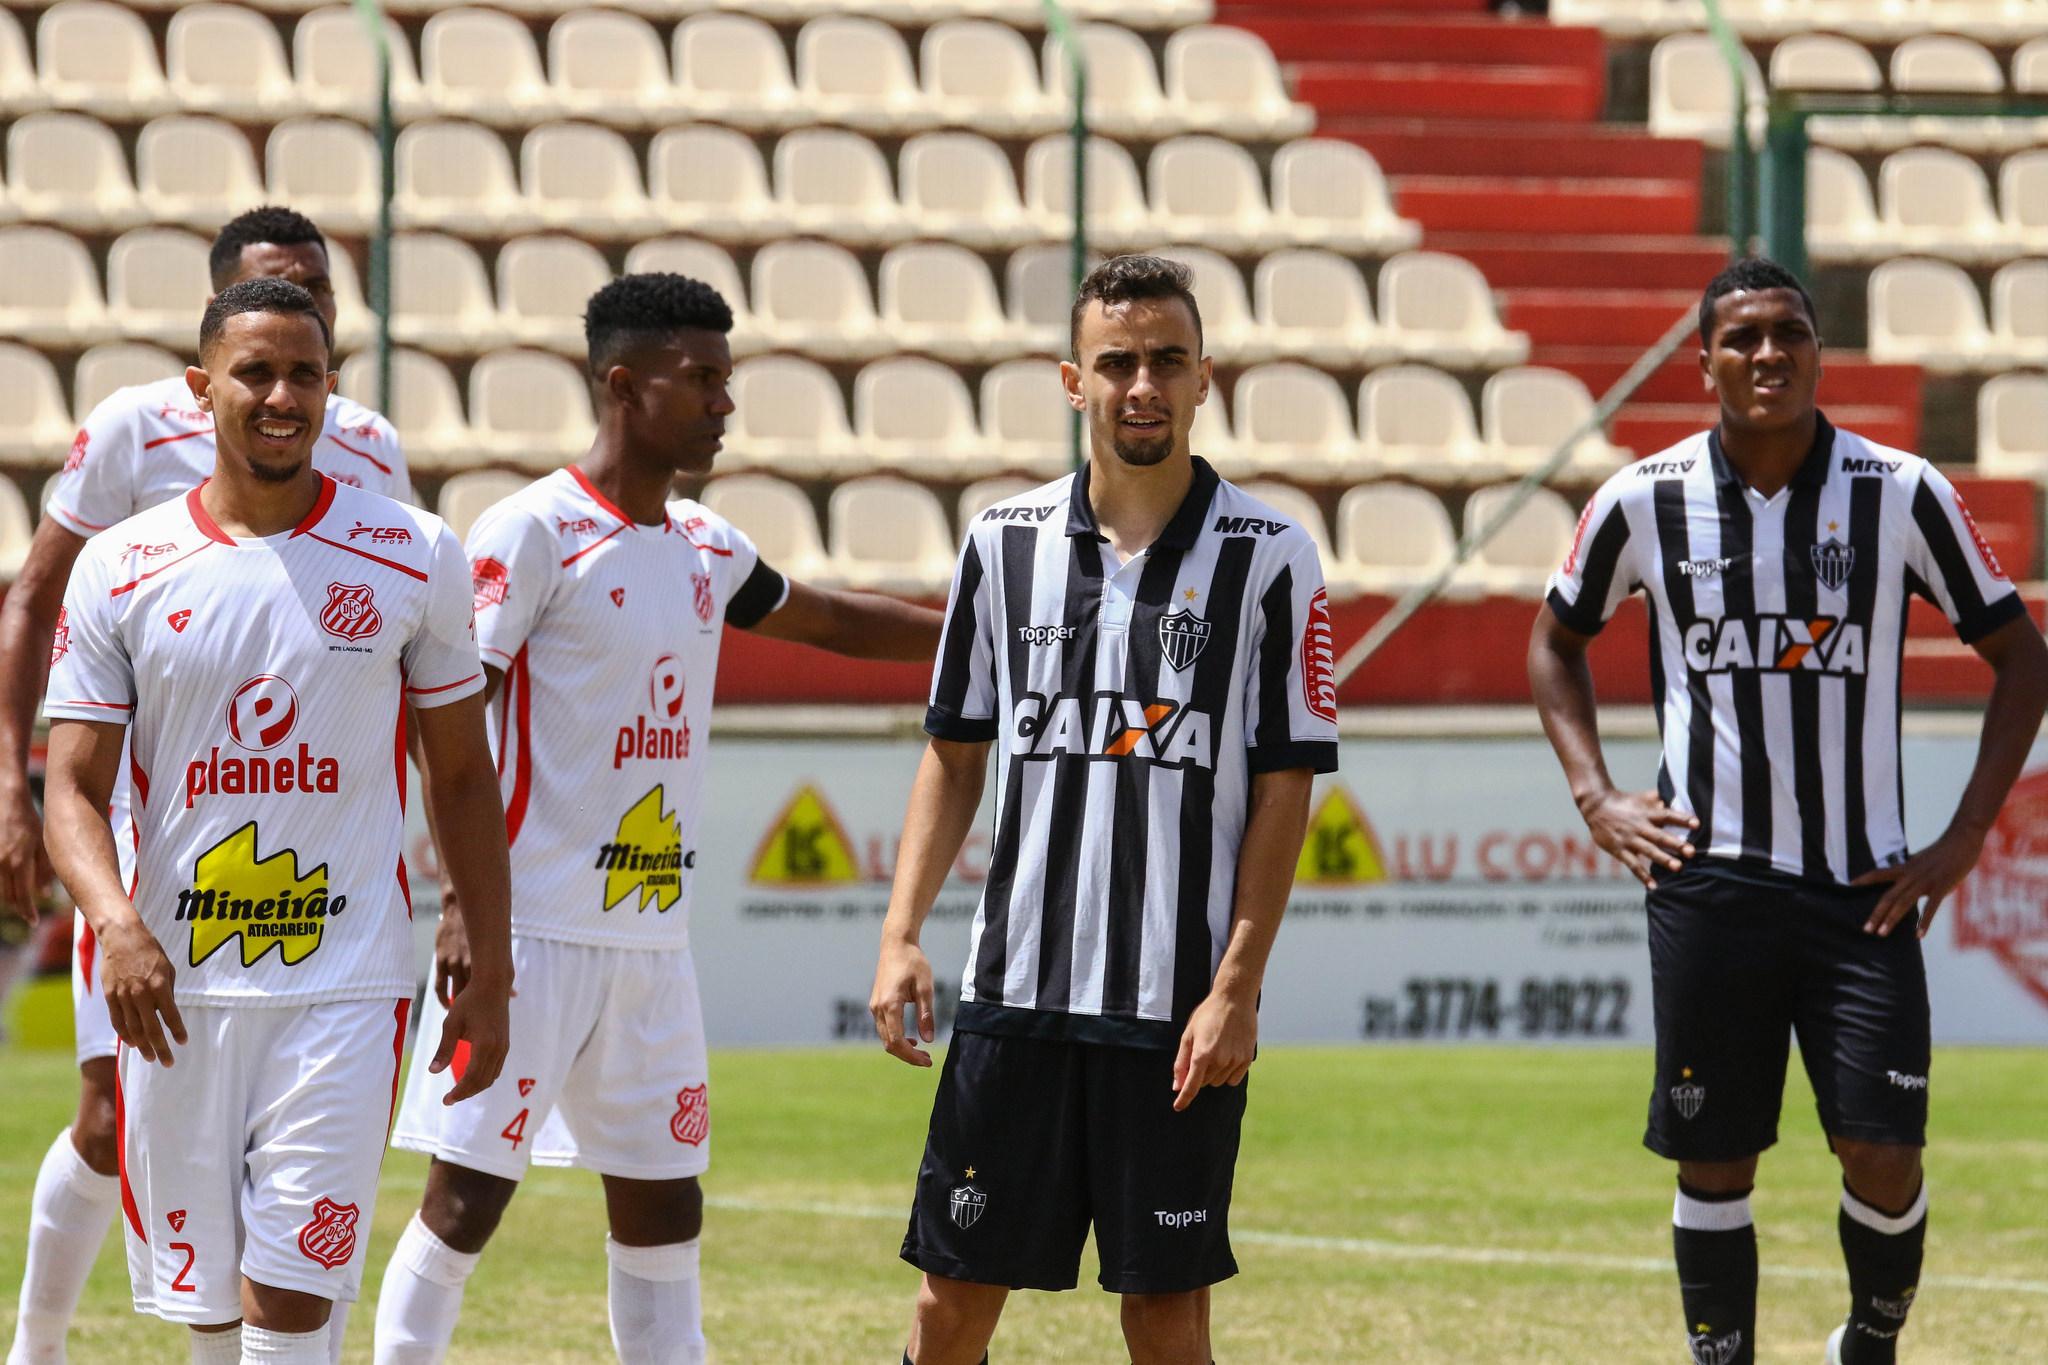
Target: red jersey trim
430, 691
108, 705
202, 519
406, 569
382, 468
181, 436
590, 489
397, 1058
88, 949
320, 505
595, 543
136, 583
518, 709
121, 1152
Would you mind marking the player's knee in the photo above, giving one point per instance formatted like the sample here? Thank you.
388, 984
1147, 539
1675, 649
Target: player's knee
954, 1312
654, 1212
283, 1310
93, 1131
462, 1207
1719, 1177
1167, 1329
1885, 1174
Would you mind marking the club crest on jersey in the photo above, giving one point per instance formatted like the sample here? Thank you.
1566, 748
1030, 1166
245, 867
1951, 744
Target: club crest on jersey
330, 1236
967, 1205
488, 579
351, 611
644, 862
1182, 634
262, 901
691, 1123
1832, 561
77, 455
1688, 1098
60, 638
700, 596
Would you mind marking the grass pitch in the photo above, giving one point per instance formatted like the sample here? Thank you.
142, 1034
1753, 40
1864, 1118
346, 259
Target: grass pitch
1464, 1206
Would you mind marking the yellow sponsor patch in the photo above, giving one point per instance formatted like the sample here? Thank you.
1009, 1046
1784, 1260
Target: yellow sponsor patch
647, 856
262, 901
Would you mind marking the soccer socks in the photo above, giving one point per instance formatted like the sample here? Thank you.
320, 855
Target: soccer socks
72, 1208
263, 1347
217, 1348
1714, 1241
421, 1297
654, 1304
1883, 1254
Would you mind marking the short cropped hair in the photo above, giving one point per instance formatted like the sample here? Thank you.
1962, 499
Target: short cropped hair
1751, 274
265, 294
1123, 279
635, 310
271, 223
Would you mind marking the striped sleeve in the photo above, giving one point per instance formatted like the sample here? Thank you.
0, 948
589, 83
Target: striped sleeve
1597, 571
1955, 566
1290, 678
963, 699
92, 676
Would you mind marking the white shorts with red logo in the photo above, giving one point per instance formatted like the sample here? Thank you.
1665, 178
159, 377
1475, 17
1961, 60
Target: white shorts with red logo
256, 1153
607, 1070
91, 1026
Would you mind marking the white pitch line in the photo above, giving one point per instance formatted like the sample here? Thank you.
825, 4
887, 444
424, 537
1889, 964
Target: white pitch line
1418, 1251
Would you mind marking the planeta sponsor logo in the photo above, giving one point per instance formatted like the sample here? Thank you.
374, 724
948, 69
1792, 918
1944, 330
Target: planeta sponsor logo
261, 716
663, 733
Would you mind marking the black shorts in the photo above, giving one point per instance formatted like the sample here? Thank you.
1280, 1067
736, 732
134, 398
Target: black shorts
1032, 1140
1738, 962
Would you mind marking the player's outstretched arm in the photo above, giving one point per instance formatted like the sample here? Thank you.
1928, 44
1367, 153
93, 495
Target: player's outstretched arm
865, 625
462, 787
28, 616
1636, 827
943, 800
136, 977
2012, 719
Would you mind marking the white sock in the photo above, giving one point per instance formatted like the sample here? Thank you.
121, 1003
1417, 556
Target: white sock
68, 1219
217, 1348
260, 1346
655, 1315
337, 1324
421, 1297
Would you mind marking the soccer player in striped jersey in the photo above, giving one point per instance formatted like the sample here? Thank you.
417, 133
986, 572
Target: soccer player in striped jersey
264, 655
601, 602
1777, 553
140, 446
1148, 647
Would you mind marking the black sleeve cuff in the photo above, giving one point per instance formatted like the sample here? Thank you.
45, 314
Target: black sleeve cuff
1575, 615
940, 723
1973, 628
761, 594
1315, 755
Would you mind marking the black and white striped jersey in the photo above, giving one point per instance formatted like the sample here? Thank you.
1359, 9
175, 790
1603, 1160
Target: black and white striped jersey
1130, 705
1777, 626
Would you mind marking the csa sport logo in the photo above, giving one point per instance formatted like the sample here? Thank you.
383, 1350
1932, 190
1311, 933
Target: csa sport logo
265, 902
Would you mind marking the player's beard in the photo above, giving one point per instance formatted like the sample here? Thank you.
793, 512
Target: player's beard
272, 473
1143, 453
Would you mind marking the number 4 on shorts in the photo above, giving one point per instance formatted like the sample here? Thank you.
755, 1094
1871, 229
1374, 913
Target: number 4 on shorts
515, 1131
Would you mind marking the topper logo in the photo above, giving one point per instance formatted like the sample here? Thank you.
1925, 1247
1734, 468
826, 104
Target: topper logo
262, 712
665, 687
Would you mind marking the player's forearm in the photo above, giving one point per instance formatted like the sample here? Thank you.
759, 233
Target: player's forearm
1562, 687
1273, 831
471, 817
28, 617
2012, 720
943, 800
860, 625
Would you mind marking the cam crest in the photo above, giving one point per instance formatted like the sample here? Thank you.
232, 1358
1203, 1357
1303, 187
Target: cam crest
1182, 634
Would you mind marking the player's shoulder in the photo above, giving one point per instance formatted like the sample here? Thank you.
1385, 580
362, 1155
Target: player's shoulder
1687, 461
349, 420
161, 402
1234, 510
381, 525
1043, 505
152, 537
554, 503
1857, 456
698, 522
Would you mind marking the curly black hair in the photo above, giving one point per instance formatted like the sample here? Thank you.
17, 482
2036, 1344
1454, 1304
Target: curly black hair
265, 294
635, 309
271, 223
1755, 272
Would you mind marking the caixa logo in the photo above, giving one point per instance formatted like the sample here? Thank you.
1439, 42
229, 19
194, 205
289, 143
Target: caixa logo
1775, 644
1112, 725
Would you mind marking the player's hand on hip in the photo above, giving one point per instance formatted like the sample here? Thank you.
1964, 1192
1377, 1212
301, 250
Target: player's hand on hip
137, 981
479, 1016
24, 866
451, 948
1930, 875
903, 977
1640, 830
1216, 1048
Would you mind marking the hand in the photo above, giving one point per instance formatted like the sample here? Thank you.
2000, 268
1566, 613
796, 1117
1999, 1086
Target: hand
903, 976
479, 1015
1931, 874
451, 949
24, 866
1216, 1048
137, 981
1633, 827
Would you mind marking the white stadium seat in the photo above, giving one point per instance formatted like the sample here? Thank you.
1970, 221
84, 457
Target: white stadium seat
1224, 80
481, 64
100, 58
958, 187
1929, 313
914, 415
158, 285
19, 93
1211, 438
584, 179
735, 71
1292, 420
790, 419
530, 409
457, 176
833, 183
1124, 96
1519, 558
38, 429
1206, 189
1313, 306
2023, 200
1228, 332
1417, 421
857, 72
440, 297
50, 294
714, 180
423, 403
940, 298
1691, 92
119, 365
228, 60
1526, 411
2012, 427
709, 262
1391, 537
813, 297
1936, 202
1038, 289
890, 535
777, 517
1841, 216
1330, 194
328, 169
198, 172
1025, 417
68, 168
983, 75
2019, 311
469, 495
1117, 214
334, 67
1440, 309
1829, 62
610, 67
1943, 63
543, 285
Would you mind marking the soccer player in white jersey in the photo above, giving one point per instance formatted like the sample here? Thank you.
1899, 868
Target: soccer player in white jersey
141, 446
600, 604
261, 654
1778, 553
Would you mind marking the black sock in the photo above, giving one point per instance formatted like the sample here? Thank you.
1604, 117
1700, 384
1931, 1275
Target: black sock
1715, 1245
984, 1359
1882, 1250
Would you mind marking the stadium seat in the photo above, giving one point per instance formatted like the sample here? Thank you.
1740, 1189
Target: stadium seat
735, 71
1292, 421
1936, 202
458, 177
856, 71
2012, 427
833, 183
440, 299
1157, 14
1690, 91
198, 172
423, 404
1417, 421
1391, 537
1025, 417
1518, 560
1841, 217
38, 429
50, 294
983, 75
1525, 412
327, 168
958, 187
1206, 189
2030, 67
890, 535
543, 285
1827, 61
2019, 311
227, 60
1928, 312
983, 494
119, 365
2023, 201
1124, 97
16, 529
529, 409
1944, 63
100, 57
1298, 508
1228, 332
1313, 306
1117, 215
468, 495
480, 64
713, 180
19, 93
1038, 285
610, 67
353, 324
710, 263
584, 179
1329, 193
914, 415
940, 299
68, 168
334, 67
813, 297
777, 517
790, 419
1224, 80
1440, 310
157, 286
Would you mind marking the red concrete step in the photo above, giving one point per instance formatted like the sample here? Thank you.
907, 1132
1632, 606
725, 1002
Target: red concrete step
1549, 208
1558, 93
1850, 379
1647, 428
1412, 146
1595, 317
2008, 512
1516, 260
1238, 11
1453, 42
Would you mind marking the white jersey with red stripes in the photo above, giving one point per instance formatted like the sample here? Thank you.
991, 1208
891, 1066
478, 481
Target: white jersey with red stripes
263, 683
608, 634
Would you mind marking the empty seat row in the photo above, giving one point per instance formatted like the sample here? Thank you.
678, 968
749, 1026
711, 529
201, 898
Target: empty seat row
1992, 21
1931, 201
2012, 426
1161, 14
602, 64
1929, 313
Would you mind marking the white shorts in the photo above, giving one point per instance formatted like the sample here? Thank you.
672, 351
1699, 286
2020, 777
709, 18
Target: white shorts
92, 1028
607, 1070
256, 1153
